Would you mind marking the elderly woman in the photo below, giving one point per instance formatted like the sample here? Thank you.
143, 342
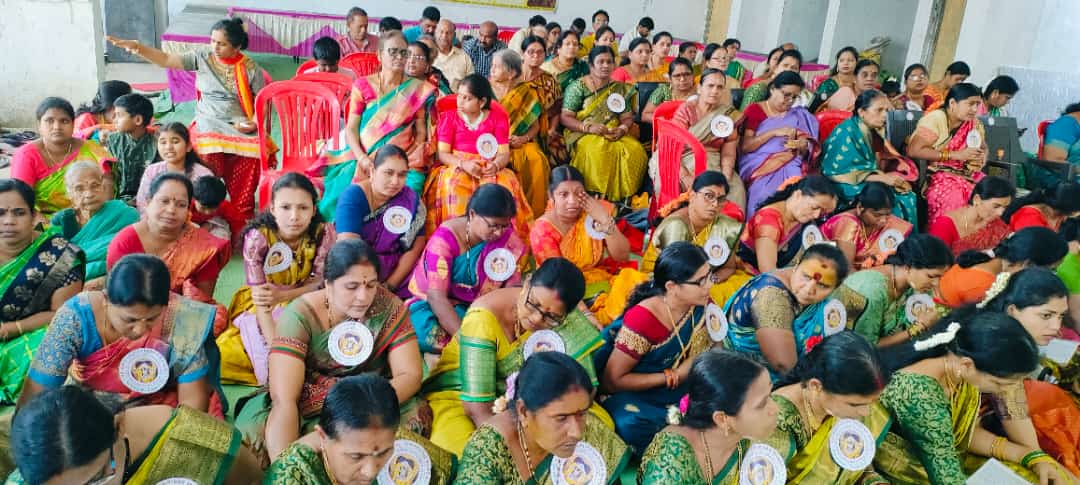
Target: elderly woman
525, 109
39, 271
598, 113
93, 218
42, 164
681, 74
225, 131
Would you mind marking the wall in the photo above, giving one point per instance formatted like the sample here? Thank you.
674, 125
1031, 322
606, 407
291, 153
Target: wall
1055, 48
1000, 32
65, 61
804, 24
859, 21
720, 12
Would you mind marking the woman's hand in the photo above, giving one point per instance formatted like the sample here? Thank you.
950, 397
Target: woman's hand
595, 209
246, 127
471, 167
968, 153
613, 134
1053, 474
798, 144
518, 141
264, 295
132, 46
489, 168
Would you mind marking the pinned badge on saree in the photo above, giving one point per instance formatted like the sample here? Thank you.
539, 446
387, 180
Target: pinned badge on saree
543, 341
616, 103
409, 465
851, 445
350, 343
592, 231
487, 146
721, 126
144, 370
762, 465
974, 139
717, 250
278, 258
584, 467
499, 264
177, 481
397, 219
916, 305
1060, 350
812, 235
835, 317
890, 240
716, 322
912, 106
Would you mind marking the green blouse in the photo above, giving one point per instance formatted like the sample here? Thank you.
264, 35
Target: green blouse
299, 464
924, 431
882, 316
670, 460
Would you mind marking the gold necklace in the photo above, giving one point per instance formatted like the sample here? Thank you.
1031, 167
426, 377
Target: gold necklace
811, 417
524, 446
708, 456
675, 330
49, 154
326, 465
950, 384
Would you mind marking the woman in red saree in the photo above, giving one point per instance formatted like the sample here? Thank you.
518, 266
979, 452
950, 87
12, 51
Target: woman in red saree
978, 225
1047, 207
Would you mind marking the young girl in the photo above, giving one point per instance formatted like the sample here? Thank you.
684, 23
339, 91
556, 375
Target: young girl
177, 154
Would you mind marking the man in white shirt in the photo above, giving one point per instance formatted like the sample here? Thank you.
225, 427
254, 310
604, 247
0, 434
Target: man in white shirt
452, 61
645, 27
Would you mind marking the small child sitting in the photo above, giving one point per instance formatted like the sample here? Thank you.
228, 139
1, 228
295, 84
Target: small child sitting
327, 54
212, 212
132, 143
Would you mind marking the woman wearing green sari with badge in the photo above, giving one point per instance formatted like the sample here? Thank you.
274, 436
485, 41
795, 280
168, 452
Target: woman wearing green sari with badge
565, 65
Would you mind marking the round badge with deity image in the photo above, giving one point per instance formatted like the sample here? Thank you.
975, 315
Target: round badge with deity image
585, 467
762, 465
499, 264
974, 139
543, 341
350, 343
835, 317
812, 235
890, 240
916, 304
717, 250
144, 370
487, 146
592, 231
716, 322
616, 103
409, 465
278, 258
397, 219
721, 126
851, 445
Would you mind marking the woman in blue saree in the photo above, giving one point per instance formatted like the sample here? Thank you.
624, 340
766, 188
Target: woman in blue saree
647, 353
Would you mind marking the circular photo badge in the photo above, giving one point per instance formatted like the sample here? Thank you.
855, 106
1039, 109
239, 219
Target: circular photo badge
851, 445
909, 116
543, 341
812, 235
177, 481
762, 465
584, 467
716, 322
974, 139
487, 146
278, 258
350, 343
592, 231
912, 106
397, 219
721, 126
917, 304
499, 264
990, 121
890, 240
717, 250
616, 103
144, 370
835, 317
409, 465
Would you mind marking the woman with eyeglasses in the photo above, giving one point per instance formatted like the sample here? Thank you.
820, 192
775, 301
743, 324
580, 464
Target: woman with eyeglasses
419, 66
65, 435
914, 97
499, 333
647, 353
680, 74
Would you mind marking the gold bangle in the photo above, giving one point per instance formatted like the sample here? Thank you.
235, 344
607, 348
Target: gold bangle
18, 327
996, 448
915, 329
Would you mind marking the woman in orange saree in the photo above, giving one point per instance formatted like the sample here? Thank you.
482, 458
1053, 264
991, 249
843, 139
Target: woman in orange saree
956, 73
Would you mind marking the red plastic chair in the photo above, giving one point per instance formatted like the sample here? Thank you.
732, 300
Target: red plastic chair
827, 121
814, 83
448, 104
663, 112
339, 83
308, 64
672, 142
506, 35
309, 114
1041, 130
362, 63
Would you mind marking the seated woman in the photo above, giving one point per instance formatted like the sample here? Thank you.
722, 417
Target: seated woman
597, 251
605, 37
495, 339
997, 94
360, 413
474, 149
717, 57
598, 113
565, 65
789, 61
778, 140
933, 399
774, 237
680, 74
1062, 141
838, 91
765, 69
915, 269
727, 406
465, 258
1047, 207
661, 51
177, 155
699, 116
955, 73
772, 318
39, 271
96, 117
136, 319
966, 282
914, 97
193, 255
648, 352
388, 215
637, 70
866, 79
524, 109
543, 428
868, 233
834, 390
704, 218
419, 66
66, 435
43, 163
94, 217
284, 255
980, 220
550, 93
857, 153
387, 108
353, 326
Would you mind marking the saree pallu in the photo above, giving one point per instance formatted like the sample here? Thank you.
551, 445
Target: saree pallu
299, 464
737, 71
195, 251
849, 158
1056, 417
94, 237
475, 365
688, 117
385, 119
390, 247
764, 302
524, 108
964, 286
551, 94
761, 169
984, 238
756, 93
612, 168
639, 415
936, 96
951, 181
831, 95
809, 458
565, 77
487, 457
27, 284
671, 460
189, 438
846, 226
675, 228
30, 166
788, 247
881, 316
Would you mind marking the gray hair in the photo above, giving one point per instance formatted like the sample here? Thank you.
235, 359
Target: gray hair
510, 60
79, 166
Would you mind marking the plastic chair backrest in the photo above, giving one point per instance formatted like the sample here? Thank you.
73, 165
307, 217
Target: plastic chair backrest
308, 112
506, 35
663, 112
362, 63
827, 121
814, 83
448, 103
1041, 130
339, 83
672, 141
308, 64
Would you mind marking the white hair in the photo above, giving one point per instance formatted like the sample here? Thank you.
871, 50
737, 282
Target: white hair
510, 60
79, 166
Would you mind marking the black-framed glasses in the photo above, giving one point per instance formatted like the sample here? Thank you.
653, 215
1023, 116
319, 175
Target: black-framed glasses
701, 282
397, 52
493, 226
715, 199
551, 318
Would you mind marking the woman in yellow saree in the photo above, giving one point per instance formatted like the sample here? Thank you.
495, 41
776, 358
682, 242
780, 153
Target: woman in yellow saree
523, 106
934, 401
598, 113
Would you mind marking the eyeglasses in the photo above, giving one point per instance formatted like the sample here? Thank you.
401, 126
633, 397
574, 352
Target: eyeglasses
551, 319
396, 52
700, 282
494, 227
715, 199
92, 187
418, 57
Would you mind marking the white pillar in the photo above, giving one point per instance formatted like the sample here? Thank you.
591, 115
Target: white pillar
825, 54
920, 35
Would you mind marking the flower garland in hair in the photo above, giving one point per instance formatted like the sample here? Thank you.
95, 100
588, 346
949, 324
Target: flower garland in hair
940, 338
675, 414
1000, 282
503, 402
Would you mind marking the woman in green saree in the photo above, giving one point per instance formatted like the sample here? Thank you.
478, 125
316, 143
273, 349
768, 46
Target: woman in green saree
830, 399
65, 435
565, 65
709, 438
934, 400
358, 440
545, 430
